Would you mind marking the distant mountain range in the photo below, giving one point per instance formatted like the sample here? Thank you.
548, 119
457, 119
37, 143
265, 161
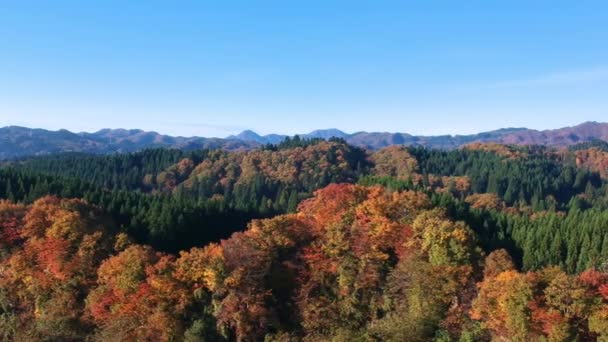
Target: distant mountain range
20, 141
567, 136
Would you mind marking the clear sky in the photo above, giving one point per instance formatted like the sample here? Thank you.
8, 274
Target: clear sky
213, 68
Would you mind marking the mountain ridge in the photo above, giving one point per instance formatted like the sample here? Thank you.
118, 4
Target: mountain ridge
18, 141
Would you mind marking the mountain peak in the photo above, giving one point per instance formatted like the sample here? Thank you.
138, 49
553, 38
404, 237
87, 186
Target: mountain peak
248, 135
326, 133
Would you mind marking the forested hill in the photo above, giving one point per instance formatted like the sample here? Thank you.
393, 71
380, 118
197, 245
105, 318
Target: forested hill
307, 240
174, 199
17, 142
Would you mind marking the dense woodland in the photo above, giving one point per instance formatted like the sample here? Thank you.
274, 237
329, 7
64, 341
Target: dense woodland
307, 240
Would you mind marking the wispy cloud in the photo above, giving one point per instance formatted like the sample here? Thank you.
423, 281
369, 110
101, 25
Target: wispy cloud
560, 78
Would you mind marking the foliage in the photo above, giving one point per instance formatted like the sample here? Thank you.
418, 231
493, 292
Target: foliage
483, 243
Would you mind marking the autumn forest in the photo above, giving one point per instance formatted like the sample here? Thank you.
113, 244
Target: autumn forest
307, 240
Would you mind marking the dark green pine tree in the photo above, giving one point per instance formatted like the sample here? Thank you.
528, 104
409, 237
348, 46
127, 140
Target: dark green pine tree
292, 204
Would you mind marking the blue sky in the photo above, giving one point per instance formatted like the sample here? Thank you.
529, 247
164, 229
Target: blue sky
213, 68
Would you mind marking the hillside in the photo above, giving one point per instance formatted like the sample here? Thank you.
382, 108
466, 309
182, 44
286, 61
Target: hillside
355, 263
307, 240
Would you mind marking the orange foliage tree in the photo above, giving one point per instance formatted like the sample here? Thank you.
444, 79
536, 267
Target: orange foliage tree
46, 276
138, 297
